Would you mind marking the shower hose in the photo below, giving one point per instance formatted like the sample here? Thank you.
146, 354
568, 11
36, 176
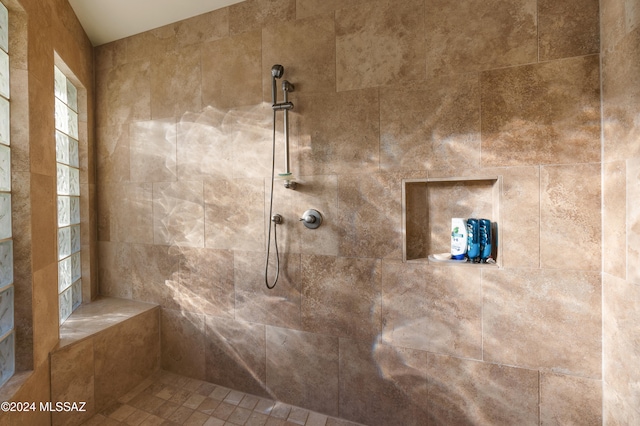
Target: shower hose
275, 224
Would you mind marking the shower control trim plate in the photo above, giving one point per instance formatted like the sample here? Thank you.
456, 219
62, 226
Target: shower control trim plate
312, 219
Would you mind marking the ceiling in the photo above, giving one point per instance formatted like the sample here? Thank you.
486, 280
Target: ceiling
108, 20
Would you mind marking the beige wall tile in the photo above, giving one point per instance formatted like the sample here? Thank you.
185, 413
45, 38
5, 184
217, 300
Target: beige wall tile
337, 133
231, 74
432, 125
621, 311
470, 392
72, 380
614, 217
543, 319
153, 150
43, 220
126, 212
519, 127
235, 354
633, 220
254, 302
206, 279
115, 270
375, 379
570, 217
151, 44
618, 411
254, 14
46, 316
519, 228
20, 141
155, 275
113, 153
436, 309
182, 343
234, 212
379, 43
568, 29
124, 94
178, 213
570, 400
176, 83
314, 384
479, 35
42, 149
204, 150
125, 355
203, 28
621, 94
341, 296
306, 49
370, 215
306, 8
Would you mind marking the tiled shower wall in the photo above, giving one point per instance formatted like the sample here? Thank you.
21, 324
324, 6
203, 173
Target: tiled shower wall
621, 211
385, 90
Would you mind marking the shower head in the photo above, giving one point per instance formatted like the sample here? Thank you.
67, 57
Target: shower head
277, 71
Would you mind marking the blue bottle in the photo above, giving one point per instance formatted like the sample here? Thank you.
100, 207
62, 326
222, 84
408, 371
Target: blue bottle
485, 240
473, 240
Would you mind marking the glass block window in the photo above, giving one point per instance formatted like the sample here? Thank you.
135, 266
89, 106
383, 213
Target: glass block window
7, 332
68, 183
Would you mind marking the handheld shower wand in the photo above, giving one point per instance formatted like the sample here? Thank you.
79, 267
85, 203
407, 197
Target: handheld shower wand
276, 72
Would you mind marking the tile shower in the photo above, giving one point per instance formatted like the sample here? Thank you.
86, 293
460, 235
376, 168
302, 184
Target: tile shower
542, 93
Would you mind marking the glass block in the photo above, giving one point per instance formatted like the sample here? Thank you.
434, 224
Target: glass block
76, 267
74, 181
4, 28
63, 179
64, 274
73, 153
7, 358
60, 84
75, 238
6, 311
65, 300
5, 132
64, 211
6, 263
4, 74
5, 168
72, 125
74, 210
76, 292
61, 118
62, 148
72, 96
5, 216
64, 242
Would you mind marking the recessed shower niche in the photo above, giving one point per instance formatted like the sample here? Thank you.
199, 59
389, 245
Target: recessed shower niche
429, 204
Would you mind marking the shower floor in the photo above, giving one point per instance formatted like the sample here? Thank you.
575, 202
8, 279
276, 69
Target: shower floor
168, 399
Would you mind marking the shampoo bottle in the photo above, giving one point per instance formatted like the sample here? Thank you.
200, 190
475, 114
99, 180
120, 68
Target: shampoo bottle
473, 240
458, 238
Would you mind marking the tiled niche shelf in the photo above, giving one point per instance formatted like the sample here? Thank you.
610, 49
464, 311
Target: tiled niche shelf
429, 204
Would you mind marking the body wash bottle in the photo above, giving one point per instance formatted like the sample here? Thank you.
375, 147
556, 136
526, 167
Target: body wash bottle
458, 238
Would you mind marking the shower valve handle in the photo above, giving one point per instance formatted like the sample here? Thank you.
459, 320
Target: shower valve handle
308, 219
311, 219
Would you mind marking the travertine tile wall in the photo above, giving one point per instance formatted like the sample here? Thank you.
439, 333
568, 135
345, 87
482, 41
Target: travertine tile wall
621, 211
42, 33
384, 91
